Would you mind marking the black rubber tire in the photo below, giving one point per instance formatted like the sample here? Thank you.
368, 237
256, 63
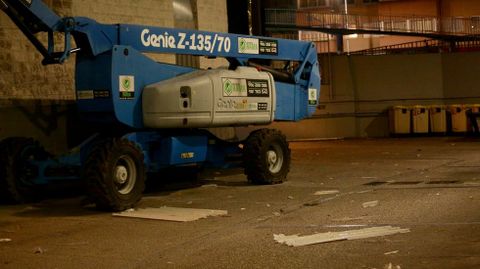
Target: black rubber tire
256, 157
100, 172
14, 171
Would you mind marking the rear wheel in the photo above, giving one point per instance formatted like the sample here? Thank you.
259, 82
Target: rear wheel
115, 174
16, 169
266, 157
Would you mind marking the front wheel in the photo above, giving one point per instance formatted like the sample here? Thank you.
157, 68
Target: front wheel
115, 174
266, 157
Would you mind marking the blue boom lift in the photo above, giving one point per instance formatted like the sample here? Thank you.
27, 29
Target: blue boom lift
154, 114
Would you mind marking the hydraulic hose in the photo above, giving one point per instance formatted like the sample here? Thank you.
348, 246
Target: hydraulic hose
277, 75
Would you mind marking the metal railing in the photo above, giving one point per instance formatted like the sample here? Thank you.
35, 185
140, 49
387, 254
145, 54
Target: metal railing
424, 46
397, 24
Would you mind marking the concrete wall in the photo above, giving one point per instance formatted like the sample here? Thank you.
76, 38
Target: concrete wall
461, 76
465, 8
364, 87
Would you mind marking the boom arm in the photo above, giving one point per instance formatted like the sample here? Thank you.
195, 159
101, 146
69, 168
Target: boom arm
33, 16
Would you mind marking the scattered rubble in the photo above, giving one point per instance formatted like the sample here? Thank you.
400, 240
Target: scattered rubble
362, 192
391, 252
326, 192
348, 219
391, 266
370, 204
210, 186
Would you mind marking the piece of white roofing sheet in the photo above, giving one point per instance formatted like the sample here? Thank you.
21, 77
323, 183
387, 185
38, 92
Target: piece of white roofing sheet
296, 240
171, 213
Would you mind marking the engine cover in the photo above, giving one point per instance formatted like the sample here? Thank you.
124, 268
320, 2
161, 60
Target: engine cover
210, 98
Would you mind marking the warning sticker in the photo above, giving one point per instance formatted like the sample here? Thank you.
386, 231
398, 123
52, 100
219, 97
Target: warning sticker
262, 106
247, 45
127, 87
258, 88
85, 95
101, 94
312, 97
268, 47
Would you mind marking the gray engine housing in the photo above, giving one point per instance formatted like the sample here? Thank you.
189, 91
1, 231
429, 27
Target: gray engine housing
210, 98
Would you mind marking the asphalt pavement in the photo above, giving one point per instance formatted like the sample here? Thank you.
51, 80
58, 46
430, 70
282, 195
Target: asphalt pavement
430, 186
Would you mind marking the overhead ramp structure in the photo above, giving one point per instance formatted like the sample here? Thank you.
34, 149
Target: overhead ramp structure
448, 29
333, 23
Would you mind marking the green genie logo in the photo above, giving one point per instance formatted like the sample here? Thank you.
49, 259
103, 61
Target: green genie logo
126, 84
242, 45
248, 45
228, 87
234, 87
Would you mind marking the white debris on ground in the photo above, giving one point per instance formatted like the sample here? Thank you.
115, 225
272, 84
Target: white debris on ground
391, 252
297, 241
326, 192
362, 192
348, 219
5, 240
370, 204
210, 186
345, 226
171, 213
391, 266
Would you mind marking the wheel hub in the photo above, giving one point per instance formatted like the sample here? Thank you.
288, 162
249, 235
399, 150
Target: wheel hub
121, 174
125, 174
272, 157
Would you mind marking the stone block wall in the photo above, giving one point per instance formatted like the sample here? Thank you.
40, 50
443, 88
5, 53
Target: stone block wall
29, 91
22, 75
